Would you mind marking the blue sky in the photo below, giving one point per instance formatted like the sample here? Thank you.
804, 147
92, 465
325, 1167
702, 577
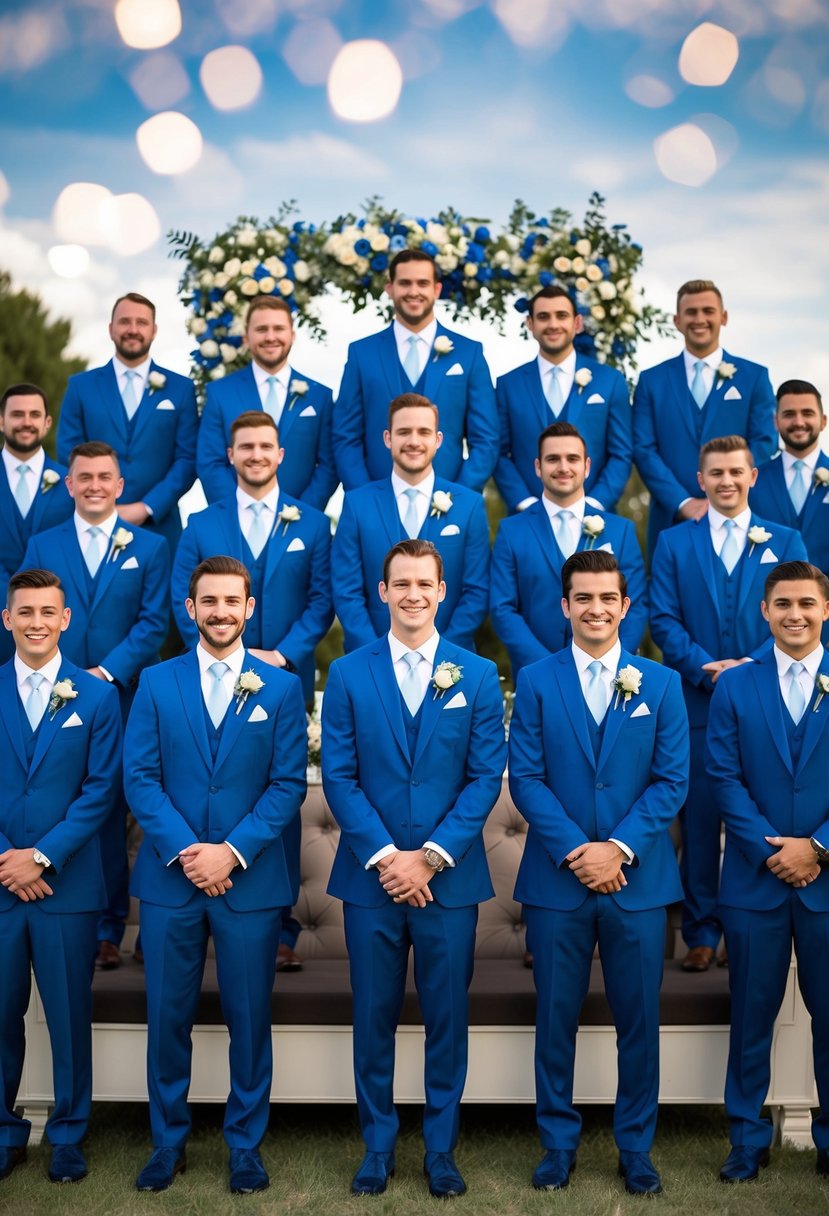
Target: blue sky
489, 111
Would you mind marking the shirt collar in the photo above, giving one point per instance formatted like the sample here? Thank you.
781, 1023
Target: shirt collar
428, 648
35, 461
809, 461
713, 360
426, 486
609, 660
234, 660
553, 509
50, 670
811, 661
107, 526
244, 500
261, 375
142, 370
717, 520
567, 366
402, 333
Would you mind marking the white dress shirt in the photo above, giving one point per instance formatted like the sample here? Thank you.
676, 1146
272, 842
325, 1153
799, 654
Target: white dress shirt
807, 678
34, 476
283, 379
425, 342
139, 379
423, 502
244, 501
566, 375
719, 532
235, 661
810, 462
576, 523
49, 671
709, 371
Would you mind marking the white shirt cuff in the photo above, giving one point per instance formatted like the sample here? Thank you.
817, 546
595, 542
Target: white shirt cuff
380, 854
629, 854
107, 674
526, 502
430, 844
47, 862
237, 855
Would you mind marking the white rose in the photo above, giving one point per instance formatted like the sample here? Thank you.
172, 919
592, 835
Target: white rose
197, 326
249, 287
218, 371
249, 681
302, 272
380, 242
209, 348
443, 678
232, 267
583, 377
582, 283
629, 679
512, 241
231, 299
578, 265
247, 238
285, 287
275, 267
607, 290
597, 312
446, 261
593, 525
347, 258
593, 273
228, 352
583, 247
248, 267
726, 371
562, 264
470, 270
441, 502
628, 329
500, 258
216, 255
517, 264
51, 478
758, 535
266, 285
206, 278
221, 280
65, 690
443, 344
821, 476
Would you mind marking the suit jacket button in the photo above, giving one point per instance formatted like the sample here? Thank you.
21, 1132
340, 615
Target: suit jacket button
214, 789
599, 785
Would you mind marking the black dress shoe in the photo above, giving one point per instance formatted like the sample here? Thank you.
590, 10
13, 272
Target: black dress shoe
68, 1164
639, 1174
247, 1173
159, 1172
743, 1163
822, 1163
554, 1169
108, 957
287, 959
373, 1175
11, 1155
444, 1177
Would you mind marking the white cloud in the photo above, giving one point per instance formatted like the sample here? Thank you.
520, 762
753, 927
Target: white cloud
314, 155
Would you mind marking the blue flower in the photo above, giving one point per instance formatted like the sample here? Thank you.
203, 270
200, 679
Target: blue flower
543, 222
603, 265
528, 246
545, 278
379, 262
215, 294
260, 272
484, 274
362, 247
401, 230
475, 252
618, 348
430, 248
397, 243
522, 304
298, 226
482, 235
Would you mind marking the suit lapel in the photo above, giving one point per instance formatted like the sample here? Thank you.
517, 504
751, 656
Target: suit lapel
387, 349
814, 499
147, 404
768, 687
437, 366
50, 723
76, 564
617, 714
388, 693
290, 412
785, 511
278, 541
388, 514
576, 398
433, 704
111, 564
188, 678
684, 401
234, 721
748, 566
573, 700
112, 402
540, 524
10, 716
10, 511
40, 499
531, 391
815, 717
700, 535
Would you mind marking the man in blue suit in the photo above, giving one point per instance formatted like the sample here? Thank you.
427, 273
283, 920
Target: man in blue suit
413, 502
699, 395
215, 756
532, 547
145, 412
598, 768
118, 583
707, 581
412, 757
417, 354
768, 755
61, 742
33, 495
793, 487
561, 386
300, 407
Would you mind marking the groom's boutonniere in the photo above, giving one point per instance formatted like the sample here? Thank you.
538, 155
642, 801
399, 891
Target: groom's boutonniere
120, 539
821, 478
822, 686
248, 684
726, 371
156, 381
627, 684
582, 378
757, 536
444, 677
290, 514
592, 526
442, 346
441, 503
49, 479
298, 389
62, 692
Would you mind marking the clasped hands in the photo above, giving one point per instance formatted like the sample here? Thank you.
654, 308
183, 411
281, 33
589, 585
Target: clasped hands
22, 876
208, 866
405, 876
598, 865
794, 862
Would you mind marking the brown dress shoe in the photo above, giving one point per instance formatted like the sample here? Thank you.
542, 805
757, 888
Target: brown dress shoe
287, 959
698, 958
722, 958
108, 957
528, 960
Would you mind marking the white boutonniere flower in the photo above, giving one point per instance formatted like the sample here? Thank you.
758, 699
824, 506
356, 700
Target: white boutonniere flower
821, 478
592, 526
49, 479
156, 381
441, 503
582, 378
290, 514
62, 692
627, 684
757, 536
120, 539
248, 684
442, 346
726, 371
822, 686
445, 676
314, 734
298, 389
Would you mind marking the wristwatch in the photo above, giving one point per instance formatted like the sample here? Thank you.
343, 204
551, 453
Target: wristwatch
433, 858
821, 853
39, 859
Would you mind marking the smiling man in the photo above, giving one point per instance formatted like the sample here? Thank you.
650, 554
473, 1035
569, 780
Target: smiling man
412, 758
299, 406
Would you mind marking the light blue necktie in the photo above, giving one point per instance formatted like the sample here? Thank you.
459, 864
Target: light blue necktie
217, 698
796, 701
92, 556
129, 395
596, 694
799, 488
272, 405
553, 393
698, 390
564, 533
730, 552
21, 491
256, 536
411, 364
410, 518
410, 687
35, 705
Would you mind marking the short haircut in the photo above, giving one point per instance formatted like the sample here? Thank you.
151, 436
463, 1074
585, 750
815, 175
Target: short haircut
23, 390
412, 548
219, 565
799, 388
411, 255
252, 418
135, 298
561, 430
92, 449
695, 287
32, 580
271, 303
590, 561
550, 293
724, 444
789, 572
412, 401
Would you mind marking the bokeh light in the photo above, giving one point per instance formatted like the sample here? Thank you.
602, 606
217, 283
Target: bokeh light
686, 155
722, 134
68, 261
79, 214
5, 190
709, 55
159, 81
251, 17
310, 49
365, 81
169, 142
541, 23
131, 224
231, 77
147, 24
650, 91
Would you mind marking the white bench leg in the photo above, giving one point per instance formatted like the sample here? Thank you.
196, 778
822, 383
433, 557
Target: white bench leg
37, 1113
793, 1125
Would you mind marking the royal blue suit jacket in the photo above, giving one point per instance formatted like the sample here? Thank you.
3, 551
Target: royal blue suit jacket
380, 795
307, 470
665, 441
525, 584
370, 525
770, 497
296, 609
59, 802
373, 377
157, 452
600, 410
630, 792
123, 622
759, 791
180, 796
686, 619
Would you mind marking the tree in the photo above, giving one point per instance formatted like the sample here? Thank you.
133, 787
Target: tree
32, 346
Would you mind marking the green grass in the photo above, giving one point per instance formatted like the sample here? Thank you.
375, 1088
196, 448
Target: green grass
312, 1152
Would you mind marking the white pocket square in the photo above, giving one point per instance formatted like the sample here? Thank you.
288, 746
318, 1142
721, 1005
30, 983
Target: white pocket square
308, 412
606, 548
258, 714
74, 720
130, 564
733, 394
595, 399
457, 702
166, 404
826, 496
450, 530
455, 370
641, 711
295, 545
767, 557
